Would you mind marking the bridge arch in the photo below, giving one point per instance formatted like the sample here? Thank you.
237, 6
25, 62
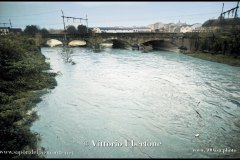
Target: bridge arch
118, 43
161, 44
53, 43
76, 43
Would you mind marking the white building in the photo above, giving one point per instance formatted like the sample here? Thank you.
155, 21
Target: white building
174, 27
196, 27
4, 30
185, 28
116, 29
181, 23
121, 29
151, 26
170, 27
96, 30
141, 29
156, 27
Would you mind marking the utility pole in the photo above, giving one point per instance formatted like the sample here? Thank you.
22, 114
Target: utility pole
222, 11
87, 23
236, 15
65, 36
73, 18
231, 10
10, 23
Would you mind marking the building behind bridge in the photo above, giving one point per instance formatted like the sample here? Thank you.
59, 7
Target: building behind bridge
4, 30
175, 27
7, 30
121, 29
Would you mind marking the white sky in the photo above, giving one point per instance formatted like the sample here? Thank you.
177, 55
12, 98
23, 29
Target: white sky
109, 14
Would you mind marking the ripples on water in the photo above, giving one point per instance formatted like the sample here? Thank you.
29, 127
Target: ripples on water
156, 97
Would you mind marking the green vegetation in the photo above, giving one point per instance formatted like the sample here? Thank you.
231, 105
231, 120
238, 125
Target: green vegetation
222, 22
94, 43
220, 42
22, 76
67, 55
44, 31
81, 29
71, 29
33, 29
220, 46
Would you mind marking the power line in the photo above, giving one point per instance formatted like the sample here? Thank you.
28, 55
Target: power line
169, 17
137, 19
26, 15
192, 16
64, 26
73, 18
10, 23
235, 9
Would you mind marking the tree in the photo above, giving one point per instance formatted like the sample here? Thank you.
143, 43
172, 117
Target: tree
90, 31
71, 29
22, 69
82, 29
31, 29
44, 31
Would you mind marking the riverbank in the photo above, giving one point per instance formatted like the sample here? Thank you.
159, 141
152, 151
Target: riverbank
220, 58
23, 80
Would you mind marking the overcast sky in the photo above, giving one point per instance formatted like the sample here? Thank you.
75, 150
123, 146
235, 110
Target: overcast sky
109, 14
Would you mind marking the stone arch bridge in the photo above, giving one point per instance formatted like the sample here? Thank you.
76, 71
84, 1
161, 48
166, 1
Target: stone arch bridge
169, 40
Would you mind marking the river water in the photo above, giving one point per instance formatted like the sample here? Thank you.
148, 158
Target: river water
159, 104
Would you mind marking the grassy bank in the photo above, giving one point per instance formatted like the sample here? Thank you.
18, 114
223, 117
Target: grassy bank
220, 58
22, 80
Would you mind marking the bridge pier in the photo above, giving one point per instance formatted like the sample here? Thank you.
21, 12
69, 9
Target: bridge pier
135, 47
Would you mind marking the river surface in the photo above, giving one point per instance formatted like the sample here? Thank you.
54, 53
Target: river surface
159, 104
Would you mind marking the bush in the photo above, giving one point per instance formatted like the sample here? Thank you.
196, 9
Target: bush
224, 42
21, 74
